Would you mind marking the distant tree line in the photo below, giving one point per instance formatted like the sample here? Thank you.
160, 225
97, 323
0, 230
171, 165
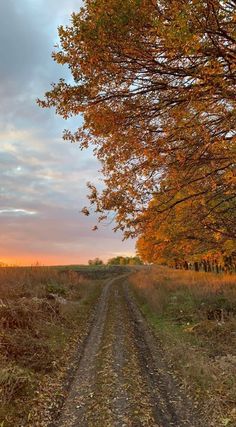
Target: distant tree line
95, 261
209, 264
118, 260
121, 260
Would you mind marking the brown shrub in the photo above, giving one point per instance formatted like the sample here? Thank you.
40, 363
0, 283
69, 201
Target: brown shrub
14, 382
27, 351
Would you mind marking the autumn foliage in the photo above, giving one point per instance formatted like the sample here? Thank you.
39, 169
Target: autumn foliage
155, 83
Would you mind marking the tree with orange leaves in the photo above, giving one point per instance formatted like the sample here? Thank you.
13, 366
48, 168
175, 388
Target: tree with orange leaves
177, 238
155, 82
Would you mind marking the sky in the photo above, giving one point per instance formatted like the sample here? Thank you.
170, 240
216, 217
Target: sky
42, 178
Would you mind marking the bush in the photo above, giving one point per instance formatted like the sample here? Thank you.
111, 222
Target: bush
55, 288
27, 351
14, 382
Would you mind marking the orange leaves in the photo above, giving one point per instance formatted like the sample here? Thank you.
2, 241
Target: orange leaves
155, 82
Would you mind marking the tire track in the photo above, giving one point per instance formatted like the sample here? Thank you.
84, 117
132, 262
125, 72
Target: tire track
122, 378
82, 386
171, 405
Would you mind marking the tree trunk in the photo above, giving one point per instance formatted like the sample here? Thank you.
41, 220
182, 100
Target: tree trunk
186, 265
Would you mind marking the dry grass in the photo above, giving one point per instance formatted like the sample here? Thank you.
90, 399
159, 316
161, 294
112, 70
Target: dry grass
41, 310
194, 315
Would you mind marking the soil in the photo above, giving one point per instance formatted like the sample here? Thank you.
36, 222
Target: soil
122, 378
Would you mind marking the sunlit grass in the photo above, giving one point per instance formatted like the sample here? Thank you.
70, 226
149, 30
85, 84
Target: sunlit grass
194, 316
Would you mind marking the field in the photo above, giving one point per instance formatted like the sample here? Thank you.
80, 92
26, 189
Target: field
77, 345
44, 314
194, 317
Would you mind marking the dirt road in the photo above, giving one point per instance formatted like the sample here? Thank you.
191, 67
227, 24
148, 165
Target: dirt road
122, 378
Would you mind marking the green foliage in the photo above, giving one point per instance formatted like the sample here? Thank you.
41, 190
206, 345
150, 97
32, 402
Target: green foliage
55, 288
121, 260
95, 262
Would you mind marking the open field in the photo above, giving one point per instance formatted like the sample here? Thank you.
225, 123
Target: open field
145, 346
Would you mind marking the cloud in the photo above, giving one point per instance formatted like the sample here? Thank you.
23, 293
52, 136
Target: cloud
42, 178
17, 212
27, 68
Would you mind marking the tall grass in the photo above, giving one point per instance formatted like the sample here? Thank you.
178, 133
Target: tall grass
199, 293
194, 316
